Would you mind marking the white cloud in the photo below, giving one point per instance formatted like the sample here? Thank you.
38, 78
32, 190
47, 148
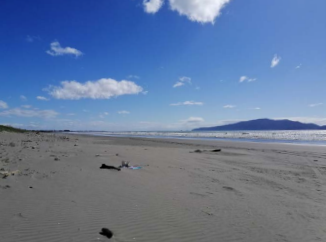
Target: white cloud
23, 98
3, 105
182, 81
26, 106
315, 105
187, 103
275, 61
202, 11
100, 89
185, 79
152, 6
57, 50
29, 113
245, 78
257, 108
192, 120
123, 112
102, 115
133, 77
178, 84
229, 106
298, 67
42, 98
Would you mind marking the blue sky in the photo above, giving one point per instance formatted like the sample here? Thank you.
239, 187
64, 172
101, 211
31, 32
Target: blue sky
160, 64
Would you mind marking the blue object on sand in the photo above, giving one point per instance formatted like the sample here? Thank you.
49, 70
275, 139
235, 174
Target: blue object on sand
134, 167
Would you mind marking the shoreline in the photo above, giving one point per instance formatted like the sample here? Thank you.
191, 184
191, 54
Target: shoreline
246, 140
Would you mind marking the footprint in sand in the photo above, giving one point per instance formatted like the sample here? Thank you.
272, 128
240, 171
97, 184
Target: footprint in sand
229, 188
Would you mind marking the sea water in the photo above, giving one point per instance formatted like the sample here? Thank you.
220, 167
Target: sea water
293, 136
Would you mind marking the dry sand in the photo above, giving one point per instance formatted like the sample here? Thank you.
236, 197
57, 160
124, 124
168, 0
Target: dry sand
53, 190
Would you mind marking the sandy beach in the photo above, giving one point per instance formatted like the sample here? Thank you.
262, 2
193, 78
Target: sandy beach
52, 190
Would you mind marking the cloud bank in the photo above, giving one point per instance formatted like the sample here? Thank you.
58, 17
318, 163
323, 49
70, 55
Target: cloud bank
100, 89
29, 113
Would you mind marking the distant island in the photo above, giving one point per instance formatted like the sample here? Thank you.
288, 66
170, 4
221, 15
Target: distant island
264, 124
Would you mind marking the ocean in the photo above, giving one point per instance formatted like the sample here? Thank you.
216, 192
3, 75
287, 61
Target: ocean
317, 137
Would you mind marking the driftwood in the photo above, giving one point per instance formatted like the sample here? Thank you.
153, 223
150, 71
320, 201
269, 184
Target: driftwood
109, 167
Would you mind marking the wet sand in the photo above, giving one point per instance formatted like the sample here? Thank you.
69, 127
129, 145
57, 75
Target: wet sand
52, 189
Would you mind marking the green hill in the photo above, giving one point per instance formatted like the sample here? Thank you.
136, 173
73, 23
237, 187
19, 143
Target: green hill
11, 129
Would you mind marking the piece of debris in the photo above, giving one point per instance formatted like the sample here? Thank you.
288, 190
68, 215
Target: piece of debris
124, 164
197, 151
31, 187
106, 232
56, 159
97, 155
216, 150
8, 173
117, 154
109, 167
